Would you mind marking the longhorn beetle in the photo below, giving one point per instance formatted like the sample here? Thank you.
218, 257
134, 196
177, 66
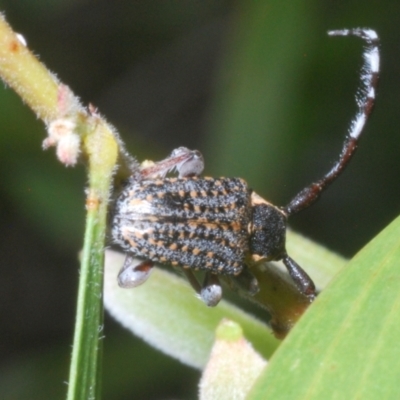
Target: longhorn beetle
220, 225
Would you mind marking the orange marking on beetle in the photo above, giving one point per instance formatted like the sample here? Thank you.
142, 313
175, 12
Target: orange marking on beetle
132, 242
138, 235
204, 222
196, 251
173, 246
134, 202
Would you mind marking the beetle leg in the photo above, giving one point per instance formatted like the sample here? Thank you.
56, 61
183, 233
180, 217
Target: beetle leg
194, 283
303, 282
192, 163
211, 292
132, 275
245, 282
186, 162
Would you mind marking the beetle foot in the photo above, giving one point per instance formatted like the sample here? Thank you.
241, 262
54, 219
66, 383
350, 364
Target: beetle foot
132, 275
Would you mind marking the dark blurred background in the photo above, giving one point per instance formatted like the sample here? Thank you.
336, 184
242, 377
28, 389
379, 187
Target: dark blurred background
257, 87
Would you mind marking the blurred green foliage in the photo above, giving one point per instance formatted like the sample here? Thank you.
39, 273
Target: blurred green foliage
258, 87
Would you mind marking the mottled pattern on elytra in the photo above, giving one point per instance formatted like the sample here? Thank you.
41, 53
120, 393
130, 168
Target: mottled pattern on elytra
199, 223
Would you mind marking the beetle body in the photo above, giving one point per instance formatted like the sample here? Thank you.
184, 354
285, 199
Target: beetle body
219, 225
198, 223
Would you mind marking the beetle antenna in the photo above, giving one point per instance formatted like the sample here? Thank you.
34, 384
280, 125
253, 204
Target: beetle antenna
365, 99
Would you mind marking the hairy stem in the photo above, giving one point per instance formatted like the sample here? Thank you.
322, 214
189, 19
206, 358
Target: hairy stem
52, 102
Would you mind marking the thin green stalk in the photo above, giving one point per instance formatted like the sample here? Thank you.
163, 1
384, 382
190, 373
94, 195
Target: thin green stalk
23, 72
85, 369
74, 130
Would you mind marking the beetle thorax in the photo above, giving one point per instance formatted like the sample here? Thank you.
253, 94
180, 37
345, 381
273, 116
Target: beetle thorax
267, 230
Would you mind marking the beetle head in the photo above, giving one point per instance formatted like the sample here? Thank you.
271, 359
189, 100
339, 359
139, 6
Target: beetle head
268, 232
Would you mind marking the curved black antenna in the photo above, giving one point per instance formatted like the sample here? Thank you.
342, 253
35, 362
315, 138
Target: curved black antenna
365, 100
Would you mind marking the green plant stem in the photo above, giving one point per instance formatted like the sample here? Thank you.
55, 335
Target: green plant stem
85, 367
23, 72
42, 92
85, 370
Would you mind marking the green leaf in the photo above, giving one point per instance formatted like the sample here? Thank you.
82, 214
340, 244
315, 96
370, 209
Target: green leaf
165, 312
346, 345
